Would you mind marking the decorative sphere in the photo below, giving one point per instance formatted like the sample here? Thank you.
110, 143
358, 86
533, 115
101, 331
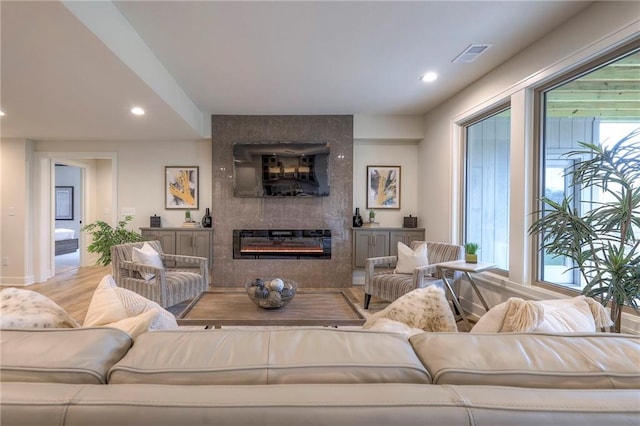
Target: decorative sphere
271, 293
276, 284
260, 292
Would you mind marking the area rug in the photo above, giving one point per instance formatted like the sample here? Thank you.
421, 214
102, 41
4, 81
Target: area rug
177, 309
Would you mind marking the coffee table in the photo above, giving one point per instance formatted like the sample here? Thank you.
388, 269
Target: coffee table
215, 308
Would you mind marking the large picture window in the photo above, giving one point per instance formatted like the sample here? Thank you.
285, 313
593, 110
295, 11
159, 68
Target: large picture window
486, 212
599, 105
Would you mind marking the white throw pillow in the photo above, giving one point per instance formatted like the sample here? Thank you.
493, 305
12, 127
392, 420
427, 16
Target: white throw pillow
392, 326
409, 259
491, 322
29, 309
423, 308
147, 256
572, 315
137, 325
577, 314
111, 304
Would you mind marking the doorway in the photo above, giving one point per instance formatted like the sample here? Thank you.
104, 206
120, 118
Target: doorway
68, 208
97, 201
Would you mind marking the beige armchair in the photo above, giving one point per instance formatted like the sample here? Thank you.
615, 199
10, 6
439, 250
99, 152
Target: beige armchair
384, 283
171, 285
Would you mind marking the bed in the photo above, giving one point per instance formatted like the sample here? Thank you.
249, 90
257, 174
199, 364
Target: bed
66, 241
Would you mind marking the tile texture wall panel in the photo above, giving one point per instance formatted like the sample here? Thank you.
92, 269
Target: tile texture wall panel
333, 212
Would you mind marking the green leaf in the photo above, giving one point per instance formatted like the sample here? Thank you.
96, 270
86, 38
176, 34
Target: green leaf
104, 236
600, 237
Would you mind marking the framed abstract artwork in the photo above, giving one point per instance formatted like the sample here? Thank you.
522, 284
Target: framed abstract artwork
64, 202
383, 187
181, 187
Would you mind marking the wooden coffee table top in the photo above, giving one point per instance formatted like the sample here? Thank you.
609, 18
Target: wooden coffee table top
308, 308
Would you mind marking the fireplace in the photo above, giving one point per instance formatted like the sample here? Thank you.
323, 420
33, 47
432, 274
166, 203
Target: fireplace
282, 244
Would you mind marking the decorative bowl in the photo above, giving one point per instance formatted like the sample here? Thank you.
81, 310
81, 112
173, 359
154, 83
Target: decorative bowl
271, 293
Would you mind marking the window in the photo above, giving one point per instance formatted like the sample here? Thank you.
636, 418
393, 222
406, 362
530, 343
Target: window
598, 105
486, 211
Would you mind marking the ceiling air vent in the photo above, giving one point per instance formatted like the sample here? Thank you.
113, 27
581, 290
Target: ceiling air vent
471, 53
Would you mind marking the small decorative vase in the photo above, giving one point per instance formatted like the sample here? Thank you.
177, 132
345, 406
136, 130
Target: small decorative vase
206, 219
471, 258
357, 219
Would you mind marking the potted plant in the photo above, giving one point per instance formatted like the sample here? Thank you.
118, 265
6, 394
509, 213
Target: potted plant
470, 250
600, 237
372, 216
104, 236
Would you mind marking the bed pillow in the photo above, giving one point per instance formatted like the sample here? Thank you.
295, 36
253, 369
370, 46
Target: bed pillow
29, 309
147, 256
409, 259
111, 304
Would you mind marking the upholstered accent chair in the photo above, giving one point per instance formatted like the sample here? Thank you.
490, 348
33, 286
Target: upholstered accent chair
171, 284
381, 281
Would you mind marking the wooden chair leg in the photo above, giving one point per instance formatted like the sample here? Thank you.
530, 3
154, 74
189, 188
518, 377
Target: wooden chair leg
367, 299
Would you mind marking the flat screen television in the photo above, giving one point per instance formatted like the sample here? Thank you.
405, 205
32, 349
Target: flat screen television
283, 169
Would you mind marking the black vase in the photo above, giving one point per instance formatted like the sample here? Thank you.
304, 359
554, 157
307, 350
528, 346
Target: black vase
206, 219
357, 219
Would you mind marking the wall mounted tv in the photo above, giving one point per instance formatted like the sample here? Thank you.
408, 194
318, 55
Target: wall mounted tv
283, 169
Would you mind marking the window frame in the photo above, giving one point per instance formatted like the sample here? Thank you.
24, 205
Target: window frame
539, 121
464, 125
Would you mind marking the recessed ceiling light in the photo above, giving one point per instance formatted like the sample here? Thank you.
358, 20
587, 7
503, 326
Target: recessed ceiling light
2, 113
429, 77
137, 111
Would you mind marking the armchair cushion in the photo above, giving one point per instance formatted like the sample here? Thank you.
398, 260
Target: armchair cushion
147, 256
409, 259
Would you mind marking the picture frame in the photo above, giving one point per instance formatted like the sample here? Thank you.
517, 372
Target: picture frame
383, 187
181, 187
64, 202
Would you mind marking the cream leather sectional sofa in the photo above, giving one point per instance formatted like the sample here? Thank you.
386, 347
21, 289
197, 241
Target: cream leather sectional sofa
316, 376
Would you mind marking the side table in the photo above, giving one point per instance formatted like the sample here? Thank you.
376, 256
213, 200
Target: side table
467, 268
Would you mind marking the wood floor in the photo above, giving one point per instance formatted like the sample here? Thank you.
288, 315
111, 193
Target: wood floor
72, 290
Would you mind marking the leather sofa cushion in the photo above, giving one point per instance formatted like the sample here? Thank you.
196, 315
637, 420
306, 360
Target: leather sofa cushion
302, 355
80, 355
532, 360
48, 404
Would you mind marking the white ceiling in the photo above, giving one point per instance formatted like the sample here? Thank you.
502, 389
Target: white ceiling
72, 70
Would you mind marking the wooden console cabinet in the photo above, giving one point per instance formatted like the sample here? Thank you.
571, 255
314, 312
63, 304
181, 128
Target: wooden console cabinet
377, 242
183, 241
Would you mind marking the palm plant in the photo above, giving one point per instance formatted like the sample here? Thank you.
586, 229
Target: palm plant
601, 241
105, 236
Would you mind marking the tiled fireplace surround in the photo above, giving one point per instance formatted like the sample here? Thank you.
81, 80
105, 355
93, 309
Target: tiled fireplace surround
333, 212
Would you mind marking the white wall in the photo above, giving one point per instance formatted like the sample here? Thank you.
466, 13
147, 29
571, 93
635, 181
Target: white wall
387, 141
597, 29
15, 215
390, 127
139, 171
140, 175
104, 176
387, 153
